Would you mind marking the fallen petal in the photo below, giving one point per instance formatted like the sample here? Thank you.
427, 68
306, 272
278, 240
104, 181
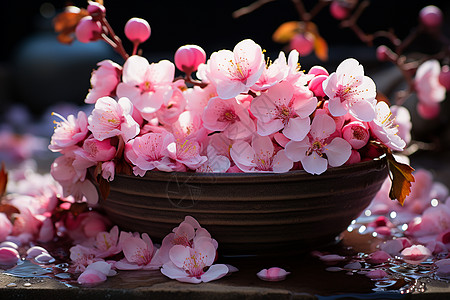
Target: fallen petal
272, 274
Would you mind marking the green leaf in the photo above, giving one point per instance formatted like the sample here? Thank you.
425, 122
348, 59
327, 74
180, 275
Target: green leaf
401, 179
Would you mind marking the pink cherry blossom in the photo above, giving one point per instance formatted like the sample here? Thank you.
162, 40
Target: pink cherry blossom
197, 98
429, 90
186, 152
215, 163
229, 116
104, 80
273, 274
279, 109
68, 132
108, 170
415, 254
260, 156
47, 231
72, 181
169, 113
350, 91
137, 30
403, 122
189, 264
384, 128
107, 243
93, 151
235, 72
356, 134
310, 151
149, 151
148, 86
139, 253
5, 226
189, 57
273, 73
112, 118
81, 257
428, 111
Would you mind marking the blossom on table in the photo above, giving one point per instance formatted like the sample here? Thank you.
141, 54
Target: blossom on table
272, 274
278, 109
260, 156
148, 86
189, 264
104, 80
350, 91
310, 151
139, 253
107, 243
96, 272
234, 72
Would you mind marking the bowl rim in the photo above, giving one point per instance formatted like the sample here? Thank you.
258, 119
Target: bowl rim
375, 164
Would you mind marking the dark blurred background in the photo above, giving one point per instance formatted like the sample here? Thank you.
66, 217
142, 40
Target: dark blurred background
37, 72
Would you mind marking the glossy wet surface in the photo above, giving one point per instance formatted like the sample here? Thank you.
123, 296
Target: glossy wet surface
310, 278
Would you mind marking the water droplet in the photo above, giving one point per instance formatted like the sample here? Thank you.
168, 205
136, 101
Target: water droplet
27, 284
12, 284
362, 229
368, 213
393, 214
434, 202
404, 227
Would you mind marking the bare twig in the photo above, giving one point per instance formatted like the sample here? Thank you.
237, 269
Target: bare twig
249, 9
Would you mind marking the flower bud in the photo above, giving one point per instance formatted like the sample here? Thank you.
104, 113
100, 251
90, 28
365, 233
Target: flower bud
189, 57
339, 11
383, 53
444, 77
318, 70
431, 16
96, 10
88, 30
356, 134
303, 43
315, 85
354, 158
428, 111
137, 30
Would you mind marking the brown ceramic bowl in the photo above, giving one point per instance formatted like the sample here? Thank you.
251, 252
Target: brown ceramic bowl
248, 213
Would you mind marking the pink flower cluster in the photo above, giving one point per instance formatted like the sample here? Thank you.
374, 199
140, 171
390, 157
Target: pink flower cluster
242, 115
187, 254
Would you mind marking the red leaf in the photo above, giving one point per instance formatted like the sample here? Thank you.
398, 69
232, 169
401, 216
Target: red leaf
3, 180
401, 179
8, 210
286, 31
